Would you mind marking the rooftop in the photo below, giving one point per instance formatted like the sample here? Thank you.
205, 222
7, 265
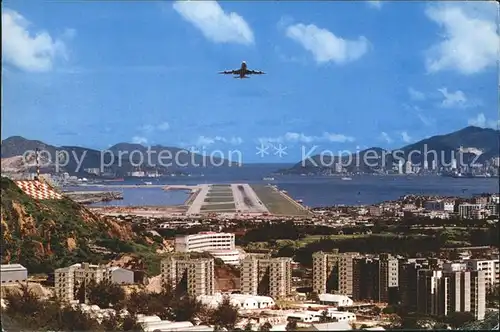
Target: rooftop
11, 267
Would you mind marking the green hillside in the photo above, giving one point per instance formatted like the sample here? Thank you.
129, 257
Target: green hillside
44, 235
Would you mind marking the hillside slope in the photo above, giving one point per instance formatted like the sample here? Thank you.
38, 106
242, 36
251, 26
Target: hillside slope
44, 235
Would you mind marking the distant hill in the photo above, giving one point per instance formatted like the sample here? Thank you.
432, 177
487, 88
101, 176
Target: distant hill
119, 163
472, 140
166, 156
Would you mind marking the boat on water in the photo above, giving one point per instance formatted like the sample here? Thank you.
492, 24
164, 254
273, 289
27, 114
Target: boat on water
148, 183
346, 178
268, 179
114, 180
459, 175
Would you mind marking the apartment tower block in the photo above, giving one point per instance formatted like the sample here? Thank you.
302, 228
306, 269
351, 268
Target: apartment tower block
194, 277
263, 275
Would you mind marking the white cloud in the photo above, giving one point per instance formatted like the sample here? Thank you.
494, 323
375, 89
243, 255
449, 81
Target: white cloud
375, 4
139, 140
325, 46
481, 121
384, 136
405, 137
417, 111
469, 42
426, 120
455, 99
415, 94
30, 52
206, 141
214, 23
291, 137
148, 128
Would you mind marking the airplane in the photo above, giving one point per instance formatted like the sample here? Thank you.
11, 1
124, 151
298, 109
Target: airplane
242, 72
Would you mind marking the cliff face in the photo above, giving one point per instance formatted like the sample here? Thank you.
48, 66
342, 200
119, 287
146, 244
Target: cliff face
44, 235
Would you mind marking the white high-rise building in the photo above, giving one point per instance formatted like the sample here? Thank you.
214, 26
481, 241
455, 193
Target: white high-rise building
204, 241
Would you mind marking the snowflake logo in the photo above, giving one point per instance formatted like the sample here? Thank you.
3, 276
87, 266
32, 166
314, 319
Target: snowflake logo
262, 150
280, 150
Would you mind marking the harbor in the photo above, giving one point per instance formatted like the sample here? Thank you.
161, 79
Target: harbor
90, 197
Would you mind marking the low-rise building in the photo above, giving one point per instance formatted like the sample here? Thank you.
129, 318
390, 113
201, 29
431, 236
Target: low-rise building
439, 205
335, 326
69, 279
13, 274
242, 301
335, 300
467, 210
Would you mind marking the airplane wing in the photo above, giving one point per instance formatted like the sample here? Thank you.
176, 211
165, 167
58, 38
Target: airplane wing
254, 72
231, 72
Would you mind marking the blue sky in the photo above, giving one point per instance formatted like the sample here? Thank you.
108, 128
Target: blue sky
341, 75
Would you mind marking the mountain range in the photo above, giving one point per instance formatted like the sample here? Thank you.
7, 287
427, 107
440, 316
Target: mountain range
119, 159
478, 144
471, 144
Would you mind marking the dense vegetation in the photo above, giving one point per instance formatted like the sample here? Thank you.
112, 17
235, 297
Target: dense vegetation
26, 311
45, 235
382, 237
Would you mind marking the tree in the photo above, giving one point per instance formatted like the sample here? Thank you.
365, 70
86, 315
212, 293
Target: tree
493, 297
292, 325
324, 317
130, 324
80, 291
458, 319
76, 320
27, 312
105, 294
266, 327
138, 302
389, 310
186, 309
24, 307
376, 310
111, 323
226, 314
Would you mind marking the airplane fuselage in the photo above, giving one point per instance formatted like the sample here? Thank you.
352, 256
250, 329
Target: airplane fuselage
243, 70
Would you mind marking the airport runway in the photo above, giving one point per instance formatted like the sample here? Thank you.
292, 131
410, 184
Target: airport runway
246, 200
